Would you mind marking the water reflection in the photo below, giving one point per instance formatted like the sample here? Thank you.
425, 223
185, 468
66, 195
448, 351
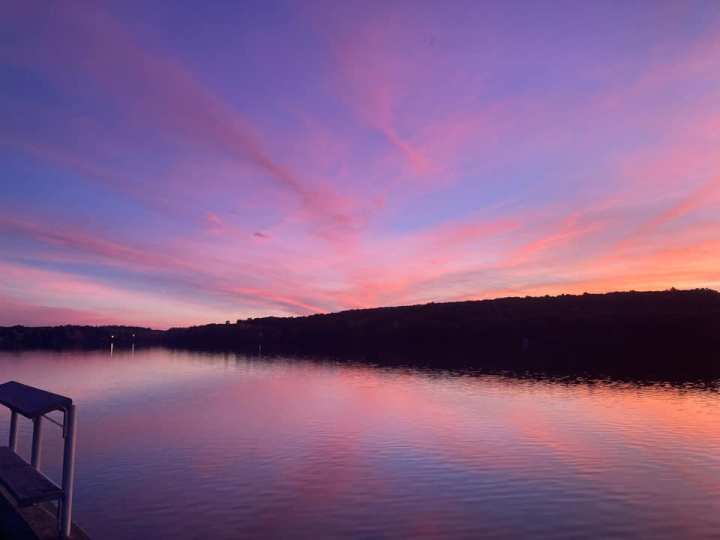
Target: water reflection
192, 445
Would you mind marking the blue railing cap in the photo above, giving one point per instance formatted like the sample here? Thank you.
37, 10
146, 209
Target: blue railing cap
29, 401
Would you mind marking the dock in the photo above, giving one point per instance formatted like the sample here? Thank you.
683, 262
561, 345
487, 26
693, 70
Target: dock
32, 506
31, 523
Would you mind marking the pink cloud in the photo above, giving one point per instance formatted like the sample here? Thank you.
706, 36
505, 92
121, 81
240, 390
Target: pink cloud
208, 277
293, 304
92, 245
697, 198
157, 93
585, 188
14, 312
375, 75
567, 233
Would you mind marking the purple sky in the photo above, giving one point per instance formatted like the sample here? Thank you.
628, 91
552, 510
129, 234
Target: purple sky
172, 163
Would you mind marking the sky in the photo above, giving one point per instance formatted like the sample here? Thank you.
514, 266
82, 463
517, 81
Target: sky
175, 163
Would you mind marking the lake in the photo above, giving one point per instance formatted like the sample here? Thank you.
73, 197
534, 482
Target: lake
188, 445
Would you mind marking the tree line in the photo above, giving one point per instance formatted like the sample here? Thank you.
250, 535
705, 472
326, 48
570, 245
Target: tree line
643, 333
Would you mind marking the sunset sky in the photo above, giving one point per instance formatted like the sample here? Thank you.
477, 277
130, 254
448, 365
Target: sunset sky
175, 163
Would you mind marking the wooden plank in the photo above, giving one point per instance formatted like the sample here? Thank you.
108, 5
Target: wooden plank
31, 402
12, 525
25, 484
37, 522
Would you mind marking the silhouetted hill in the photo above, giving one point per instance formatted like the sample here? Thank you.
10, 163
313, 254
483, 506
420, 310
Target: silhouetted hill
668, 333
632, 332
75, 337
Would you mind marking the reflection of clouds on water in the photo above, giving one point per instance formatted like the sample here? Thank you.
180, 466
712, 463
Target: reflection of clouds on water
348, 449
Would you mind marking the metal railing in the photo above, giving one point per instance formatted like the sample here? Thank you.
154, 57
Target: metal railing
65, 502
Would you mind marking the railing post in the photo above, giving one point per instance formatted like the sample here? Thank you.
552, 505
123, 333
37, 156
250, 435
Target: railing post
36, 443
13, 431
68, 473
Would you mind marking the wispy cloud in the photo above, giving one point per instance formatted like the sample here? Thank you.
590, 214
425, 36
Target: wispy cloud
419, 154
156, 93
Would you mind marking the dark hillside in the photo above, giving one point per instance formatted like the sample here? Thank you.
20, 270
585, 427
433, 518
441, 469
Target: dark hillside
74, 337
669, 333
645, 332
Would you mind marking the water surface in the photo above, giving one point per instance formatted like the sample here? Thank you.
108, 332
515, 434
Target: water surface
198, 446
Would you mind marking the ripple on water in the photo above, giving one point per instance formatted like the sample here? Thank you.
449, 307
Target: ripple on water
181, 445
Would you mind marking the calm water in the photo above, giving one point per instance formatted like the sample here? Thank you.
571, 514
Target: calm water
196, 446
